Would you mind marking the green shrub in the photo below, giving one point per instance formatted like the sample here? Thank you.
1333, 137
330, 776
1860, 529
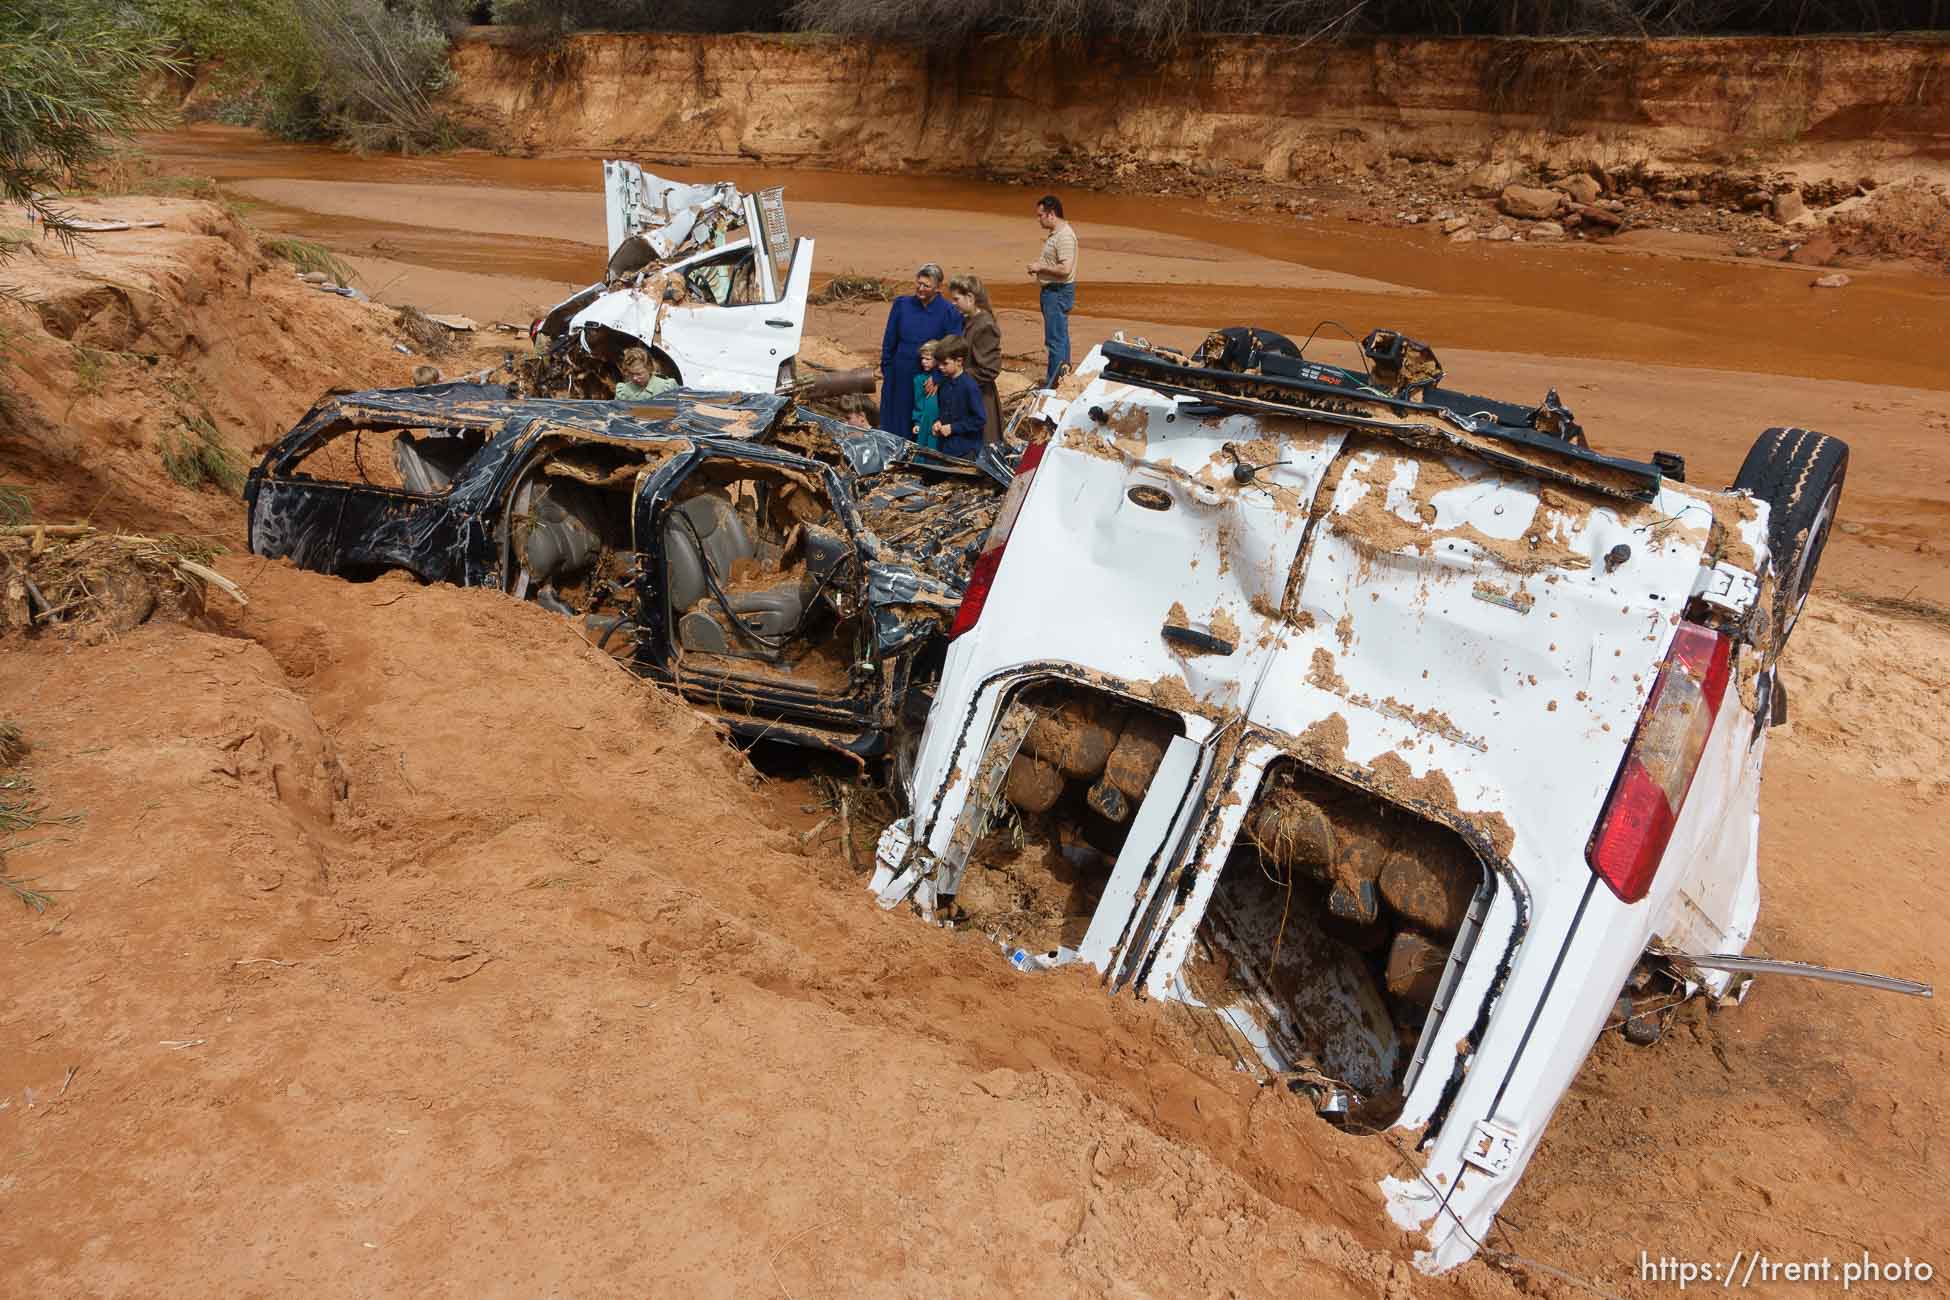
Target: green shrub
72, 78
308, 256
195, 454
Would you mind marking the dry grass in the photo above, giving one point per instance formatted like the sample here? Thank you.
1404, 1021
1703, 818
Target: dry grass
21, 810
860, 813
429, 336
195, 454
309, 256
851, 287
77, 581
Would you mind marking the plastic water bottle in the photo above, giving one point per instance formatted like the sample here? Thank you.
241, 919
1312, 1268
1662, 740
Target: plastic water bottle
1026, 961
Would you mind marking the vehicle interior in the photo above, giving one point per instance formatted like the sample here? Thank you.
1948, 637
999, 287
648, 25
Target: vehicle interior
1329, 939
418, 459
1067, 803
569, 534
728, 280
760, 577
1324, 953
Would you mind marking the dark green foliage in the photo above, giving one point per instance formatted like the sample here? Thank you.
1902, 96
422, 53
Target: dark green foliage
71, 85
1157, 24
559, 17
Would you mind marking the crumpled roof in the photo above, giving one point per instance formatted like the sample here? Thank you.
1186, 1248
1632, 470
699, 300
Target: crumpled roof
674, 218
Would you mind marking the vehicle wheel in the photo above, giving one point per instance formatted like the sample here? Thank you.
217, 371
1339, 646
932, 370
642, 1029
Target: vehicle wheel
1799, 473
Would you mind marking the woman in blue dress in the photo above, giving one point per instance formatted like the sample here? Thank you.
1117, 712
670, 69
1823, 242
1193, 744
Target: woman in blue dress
914, 319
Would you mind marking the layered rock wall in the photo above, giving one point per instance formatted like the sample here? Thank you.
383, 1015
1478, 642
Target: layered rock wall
1275, 105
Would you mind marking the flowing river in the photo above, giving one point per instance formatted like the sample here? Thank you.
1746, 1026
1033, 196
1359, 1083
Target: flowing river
502, 237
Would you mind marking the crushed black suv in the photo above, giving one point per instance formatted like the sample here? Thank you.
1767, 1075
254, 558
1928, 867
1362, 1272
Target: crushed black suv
788, 572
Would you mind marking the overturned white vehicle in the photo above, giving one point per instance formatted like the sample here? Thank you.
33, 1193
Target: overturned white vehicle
1391, 728
715, 312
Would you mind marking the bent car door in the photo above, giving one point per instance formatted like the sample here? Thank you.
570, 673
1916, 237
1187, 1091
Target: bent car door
726, 335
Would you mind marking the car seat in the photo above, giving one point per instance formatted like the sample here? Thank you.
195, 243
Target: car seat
428, 464
706, 530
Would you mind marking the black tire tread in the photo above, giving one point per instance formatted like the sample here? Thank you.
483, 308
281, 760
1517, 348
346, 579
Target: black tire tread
1793, 470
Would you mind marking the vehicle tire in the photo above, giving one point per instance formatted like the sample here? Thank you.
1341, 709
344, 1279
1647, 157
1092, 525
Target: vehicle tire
1799, 473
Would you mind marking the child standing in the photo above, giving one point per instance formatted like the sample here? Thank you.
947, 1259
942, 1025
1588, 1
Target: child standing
927, 400
964, 413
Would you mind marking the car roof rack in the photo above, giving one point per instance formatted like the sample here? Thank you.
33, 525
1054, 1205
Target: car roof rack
1441, 420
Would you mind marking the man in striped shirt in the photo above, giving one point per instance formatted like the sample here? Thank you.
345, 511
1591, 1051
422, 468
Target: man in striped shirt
1056, 270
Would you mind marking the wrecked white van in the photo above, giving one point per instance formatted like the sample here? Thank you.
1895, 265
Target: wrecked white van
716, 312
1391, 729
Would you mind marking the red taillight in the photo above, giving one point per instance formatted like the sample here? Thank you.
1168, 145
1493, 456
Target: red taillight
1626, 848
983, 575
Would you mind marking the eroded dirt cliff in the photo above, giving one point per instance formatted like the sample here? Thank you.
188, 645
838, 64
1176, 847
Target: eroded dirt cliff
1278, 106
179, 344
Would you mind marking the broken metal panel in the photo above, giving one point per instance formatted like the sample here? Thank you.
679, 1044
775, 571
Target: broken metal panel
488, 406
908, 605
714, 343
335, 528
766, 260
765, 217
1143, 859
1000, 752
671, 217
1158, 948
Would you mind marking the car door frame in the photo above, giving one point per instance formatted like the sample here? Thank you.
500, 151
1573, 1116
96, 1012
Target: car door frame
359, 530
715, 346
863, 705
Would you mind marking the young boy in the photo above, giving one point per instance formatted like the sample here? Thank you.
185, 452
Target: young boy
964, 413
927, 406
638, 383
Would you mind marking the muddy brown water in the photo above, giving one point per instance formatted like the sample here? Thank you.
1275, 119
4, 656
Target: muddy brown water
1632, 300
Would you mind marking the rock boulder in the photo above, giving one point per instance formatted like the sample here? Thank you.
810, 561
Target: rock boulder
1490, 177
1581, 187
1528, 203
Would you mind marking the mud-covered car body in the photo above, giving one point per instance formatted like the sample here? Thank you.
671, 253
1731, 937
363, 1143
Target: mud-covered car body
1423, 647
781, 569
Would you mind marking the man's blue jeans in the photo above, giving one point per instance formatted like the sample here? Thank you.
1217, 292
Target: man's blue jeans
1059, 300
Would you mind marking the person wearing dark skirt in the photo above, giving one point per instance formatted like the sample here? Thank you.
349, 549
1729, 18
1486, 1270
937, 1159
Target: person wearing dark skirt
914, 319
984, 337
